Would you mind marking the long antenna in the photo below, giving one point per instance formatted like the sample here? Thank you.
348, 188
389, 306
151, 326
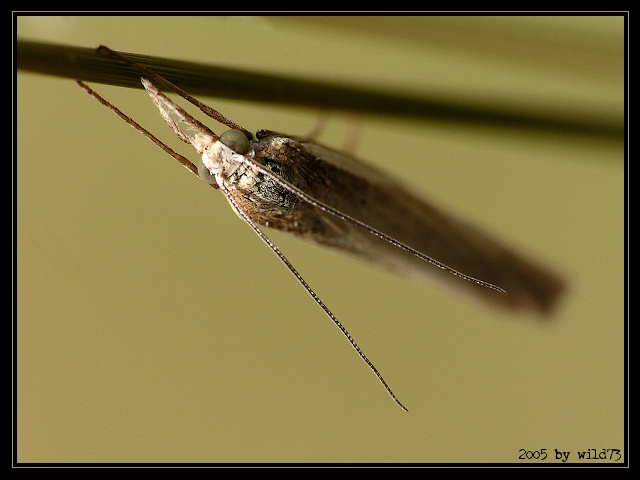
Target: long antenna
244, 216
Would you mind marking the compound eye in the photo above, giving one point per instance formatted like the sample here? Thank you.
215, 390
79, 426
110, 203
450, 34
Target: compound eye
236, 141
205, 174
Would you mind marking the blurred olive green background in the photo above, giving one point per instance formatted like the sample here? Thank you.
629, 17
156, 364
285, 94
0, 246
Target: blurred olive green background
154, 326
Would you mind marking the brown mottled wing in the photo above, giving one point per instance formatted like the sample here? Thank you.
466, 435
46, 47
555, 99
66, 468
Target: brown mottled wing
370, 196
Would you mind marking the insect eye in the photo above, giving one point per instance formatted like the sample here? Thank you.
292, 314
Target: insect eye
205, 174
236, 141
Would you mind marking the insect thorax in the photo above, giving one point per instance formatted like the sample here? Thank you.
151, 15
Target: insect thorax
265, 200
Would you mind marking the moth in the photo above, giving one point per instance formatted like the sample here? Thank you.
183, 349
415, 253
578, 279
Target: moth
322, 195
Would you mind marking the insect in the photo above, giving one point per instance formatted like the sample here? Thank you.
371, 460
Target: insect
328, 197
